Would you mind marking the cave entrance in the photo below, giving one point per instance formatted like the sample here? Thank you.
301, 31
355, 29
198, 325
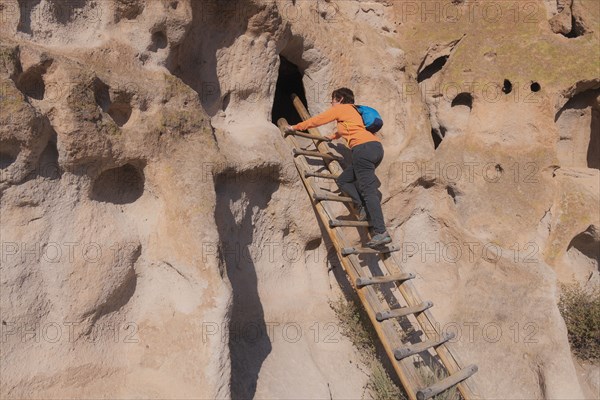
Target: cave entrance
289, 81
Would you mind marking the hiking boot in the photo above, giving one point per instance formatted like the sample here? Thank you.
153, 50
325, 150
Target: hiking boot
380, 239
361, 213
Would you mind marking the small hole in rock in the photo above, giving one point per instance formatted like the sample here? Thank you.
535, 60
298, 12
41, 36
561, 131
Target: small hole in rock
159, 41
584, 247
463, 99
578, 27
122, 185
9, 150
432, 68
31, 82
438, 135
226, 101
120, 110
6, 159
535, 87
452, 193
507, 88
48, 162
313, 244
101, 94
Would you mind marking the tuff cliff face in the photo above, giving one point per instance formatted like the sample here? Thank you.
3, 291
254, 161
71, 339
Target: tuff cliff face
156, 241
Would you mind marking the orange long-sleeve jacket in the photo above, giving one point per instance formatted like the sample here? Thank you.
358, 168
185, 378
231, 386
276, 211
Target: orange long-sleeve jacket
350, 125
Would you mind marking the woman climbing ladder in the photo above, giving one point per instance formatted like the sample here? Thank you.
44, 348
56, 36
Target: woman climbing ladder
358, 180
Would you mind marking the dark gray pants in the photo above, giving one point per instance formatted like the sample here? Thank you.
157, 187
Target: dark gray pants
359, 181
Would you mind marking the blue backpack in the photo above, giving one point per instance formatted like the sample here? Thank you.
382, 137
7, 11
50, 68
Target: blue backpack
370, 117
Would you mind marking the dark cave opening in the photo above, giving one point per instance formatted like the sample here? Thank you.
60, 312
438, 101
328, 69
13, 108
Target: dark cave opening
9, 151
31, 82
587, 244
159, 41
432, 68
578, 27
463, 99
121, 185
289, 81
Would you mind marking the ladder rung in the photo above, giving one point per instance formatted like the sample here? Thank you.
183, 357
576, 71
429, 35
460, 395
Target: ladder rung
312, 153
446, 383
401, 312
367, 250
364, 281
334, 223
412, 349
331, 197
319, 175
306, 135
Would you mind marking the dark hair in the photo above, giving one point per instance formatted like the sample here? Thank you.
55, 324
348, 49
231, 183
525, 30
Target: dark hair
345, 95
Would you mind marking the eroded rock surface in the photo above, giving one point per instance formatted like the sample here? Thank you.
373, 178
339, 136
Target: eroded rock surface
157, 243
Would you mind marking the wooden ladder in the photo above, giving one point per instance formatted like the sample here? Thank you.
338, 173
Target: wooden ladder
382, 314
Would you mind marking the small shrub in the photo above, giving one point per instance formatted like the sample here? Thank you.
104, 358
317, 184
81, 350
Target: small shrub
580, 309
353, 325
380, 385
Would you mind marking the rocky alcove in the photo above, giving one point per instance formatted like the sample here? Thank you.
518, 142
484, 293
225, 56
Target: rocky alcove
158, 42
31, 82
9, 151
120, 185
583, 252
48, 165
116, 104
